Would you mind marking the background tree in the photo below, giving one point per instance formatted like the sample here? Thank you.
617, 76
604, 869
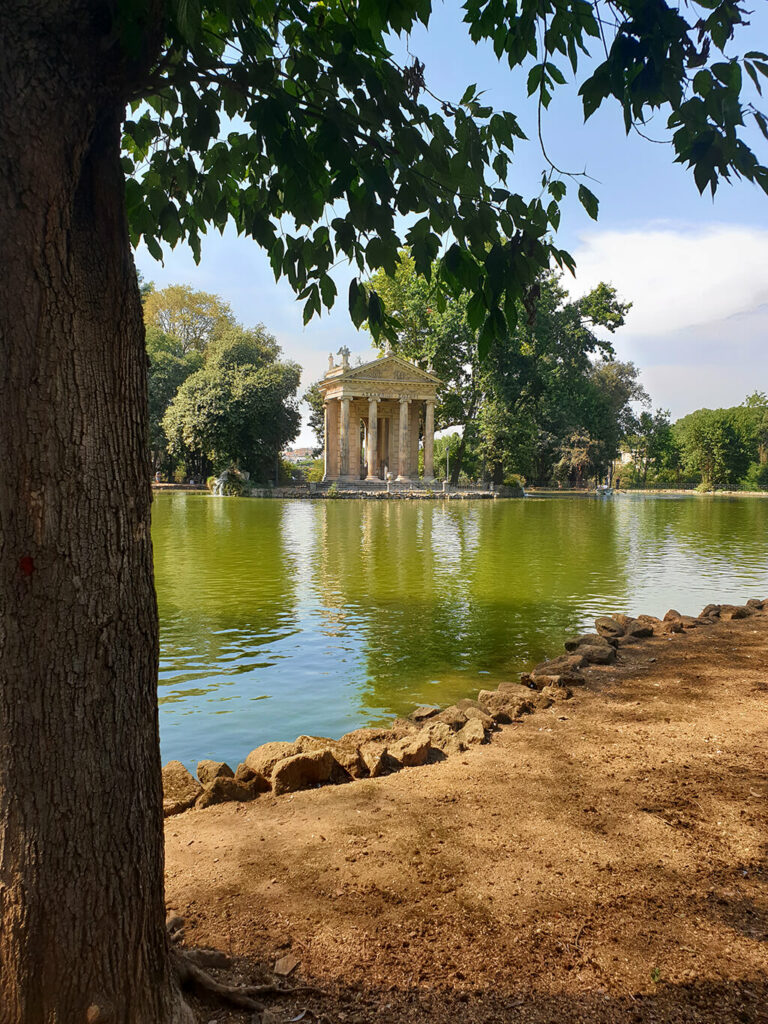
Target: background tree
516, 399
172, 358
544, 385
650, 441
169, 367
715, 445
580, 456
606, 406
145, 287
238, 410
232, 345
755, 419
313, 396
193, 318
318, 113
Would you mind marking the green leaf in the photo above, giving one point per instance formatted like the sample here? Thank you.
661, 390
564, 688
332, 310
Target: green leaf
534, 78
589, 201
702, 82
375, 309
557, 189
476, 311
327, 290
358, 303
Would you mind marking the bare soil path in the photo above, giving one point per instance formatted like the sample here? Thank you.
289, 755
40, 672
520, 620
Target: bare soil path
604, 861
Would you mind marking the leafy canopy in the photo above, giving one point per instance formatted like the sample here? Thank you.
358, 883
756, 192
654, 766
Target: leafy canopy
239, 409
169, 367
294, 120
714, 444
517, 404
191, 317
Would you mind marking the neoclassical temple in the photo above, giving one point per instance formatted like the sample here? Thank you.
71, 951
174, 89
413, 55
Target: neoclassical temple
373, 419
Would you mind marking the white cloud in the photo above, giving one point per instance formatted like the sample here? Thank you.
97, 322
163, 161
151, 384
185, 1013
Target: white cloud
677, 277
699, 322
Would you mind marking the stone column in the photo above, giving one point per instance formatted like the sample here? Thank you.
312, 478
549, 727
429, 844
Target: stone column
355, 471
344, 440
373, 438
332, 411
404, 461
429, 441
326, 453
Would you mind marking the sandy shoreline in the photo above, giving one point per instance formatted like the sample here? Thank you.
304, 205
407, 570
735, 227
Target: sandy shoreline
604, 860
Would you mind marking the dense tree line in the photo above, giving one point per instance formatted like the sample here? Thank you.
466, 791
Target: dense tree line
712, 449
551, 404
219, 394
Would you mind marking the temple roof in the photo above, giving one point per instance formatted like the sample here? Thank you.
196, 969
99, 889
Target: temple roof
388, 370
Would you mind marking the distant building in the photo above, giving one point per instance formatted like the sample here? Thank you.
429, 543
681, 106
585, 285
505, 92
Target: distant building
374, 415
298, 454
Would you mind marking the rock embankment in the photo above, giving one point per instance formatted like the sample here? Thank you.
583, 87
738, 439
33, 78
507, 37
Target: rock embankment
429, 734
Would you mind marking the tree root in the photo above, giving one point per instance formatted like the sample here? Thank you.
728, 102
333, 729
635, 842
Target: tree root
189, 966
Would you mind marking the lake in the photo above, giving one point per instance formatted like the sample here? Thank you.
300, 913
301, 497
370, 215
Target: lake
285, 617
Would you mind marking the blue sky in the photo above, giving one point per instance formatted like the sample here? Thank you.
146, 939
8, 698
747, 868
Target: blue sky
696, 269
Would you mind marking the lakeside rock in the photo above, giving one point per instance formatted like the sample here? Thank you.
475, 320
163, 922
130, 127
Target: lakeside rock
589, 640
639, 628
472, 732
594, 655
224, 789
559, 666
180, 789
423, 713
412, 751
735, 611
506, 706
301, 771
258, 783
428, 734
556, 693
451, 716
609, 626
207, 771
440, 735
263, 759
346, 754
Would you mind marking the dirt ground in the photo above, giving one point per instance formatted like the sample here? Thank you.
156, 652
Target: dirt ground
604, 861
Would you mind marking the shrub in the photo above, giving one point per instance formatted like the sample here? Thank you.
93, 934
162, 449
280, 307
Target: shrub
514, 480
316, 471
756, 478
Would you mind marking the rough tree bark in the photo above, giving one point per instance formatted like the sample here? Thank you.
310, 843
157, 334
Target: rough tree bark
82, 918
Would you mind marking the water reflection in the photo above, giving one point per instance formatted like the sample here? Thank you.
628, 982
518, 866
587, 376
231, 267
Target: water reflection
286, 617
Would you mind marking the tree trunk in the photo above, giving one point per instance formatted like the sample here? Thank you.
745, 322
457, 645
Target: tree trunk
82, 917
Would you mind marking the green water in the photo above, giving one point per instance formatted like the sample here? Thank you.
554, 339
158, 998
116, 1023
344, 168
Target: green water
288, 617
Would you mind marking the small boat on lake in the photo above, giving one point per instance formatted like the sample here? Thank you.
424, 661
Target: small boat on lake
603, 491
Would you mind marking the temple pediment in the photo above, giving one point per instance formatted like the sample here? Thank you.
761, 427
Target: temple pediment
389, 368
